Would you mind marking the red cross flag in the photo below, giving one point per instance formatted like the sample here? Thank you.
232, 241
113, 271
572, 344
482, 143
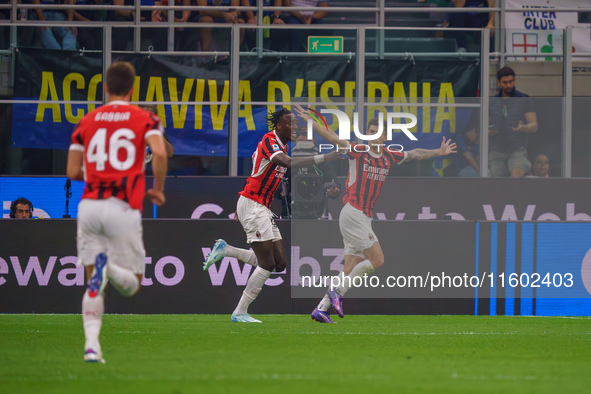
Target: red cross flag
525, 43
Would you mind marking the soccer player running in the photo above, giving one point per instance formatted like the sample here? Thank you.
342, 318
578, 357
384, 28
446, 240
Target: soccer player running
367, 173
270, 162
107, 152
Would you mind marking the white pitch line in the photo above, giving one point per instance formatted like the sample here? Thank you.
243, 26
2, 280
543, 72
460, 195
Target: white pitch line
497, 377
251, 377
408, 333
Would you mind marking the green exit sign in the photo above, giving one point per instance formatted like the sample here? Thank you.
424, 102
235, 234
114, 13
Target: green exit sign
318, 44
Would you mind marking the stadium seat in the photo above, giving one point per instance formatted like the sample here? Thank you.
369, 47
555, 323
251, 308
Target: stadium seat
421, 45
370, 18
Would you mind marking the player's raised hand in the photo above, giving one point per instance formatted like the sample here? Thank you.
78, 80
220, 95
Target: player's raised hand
156, 196
447, 147
302, 113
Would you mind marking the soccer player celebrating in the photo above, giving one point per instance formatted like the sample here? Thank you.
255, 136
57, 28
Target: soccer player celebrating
270, 162
107, 152
367, 173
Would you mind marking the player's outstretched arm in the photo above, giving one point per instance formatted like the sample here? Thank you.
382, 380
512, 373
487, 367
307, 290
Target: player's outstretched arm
284, 160
327, 134
447, 147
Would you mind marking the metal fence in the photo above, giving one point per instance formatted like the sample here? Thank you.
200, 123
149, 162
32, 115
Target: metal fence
375, 32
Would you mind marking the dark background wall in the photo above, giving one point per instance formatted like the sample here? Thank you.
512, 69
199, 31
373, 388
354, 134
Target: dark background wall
38, 272
526, 199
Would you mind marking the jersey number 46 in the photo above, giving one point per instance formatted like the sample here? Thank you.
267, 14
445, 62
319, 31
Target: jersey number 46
120, 139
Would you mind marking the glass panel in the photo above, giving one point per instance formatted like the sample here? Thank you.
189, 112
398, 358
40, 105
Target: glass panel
535, 71
4, 36
581, 142
197, 119
252, 126
581, 116
422, 74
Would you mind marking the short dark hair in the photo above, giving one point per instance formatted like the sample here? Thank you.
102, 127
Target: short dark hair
541, 153
20, 200
120, 78
274, 117
376, 122
505, 72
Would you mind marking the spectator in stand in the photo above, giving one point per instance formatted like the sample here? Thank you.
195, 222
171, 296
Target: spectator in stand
56, 37
187, 39
540, 167
5, 13
24, 34
248, 16
179, 17
512, 120
277, 37
468, 149
123, 36
21, 208
229, 16
297, 37
88, 37
249, 19
470, 20
468, 154
4, 30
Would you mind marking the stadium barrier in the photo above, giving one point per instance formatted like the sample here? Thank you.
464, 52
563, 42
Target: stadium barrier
527, 199
38, 272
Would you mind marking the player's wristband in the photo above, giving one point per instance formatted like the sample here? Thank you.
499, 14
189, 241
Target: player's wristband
318, 159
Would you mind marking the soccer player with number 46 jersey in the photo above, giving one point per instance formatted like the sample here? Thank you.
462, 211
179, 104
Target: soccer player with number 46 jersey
368, 169
107, 152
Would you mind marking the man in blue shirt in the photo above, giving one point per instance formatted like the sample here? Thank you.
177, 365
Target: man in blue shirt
512, 119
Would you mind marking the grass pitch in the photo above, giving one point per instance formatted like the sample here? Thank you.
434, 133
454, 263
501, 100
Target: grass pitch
285, 354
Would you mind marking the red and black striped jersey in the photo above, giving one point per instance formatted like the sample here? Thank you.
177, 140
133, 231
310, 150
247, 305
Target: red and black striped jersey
113, 140
266, 176
367, 173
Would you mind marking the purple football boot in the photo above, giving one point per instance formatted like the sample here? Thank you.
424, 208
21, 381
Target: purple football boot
337, 302
320, 316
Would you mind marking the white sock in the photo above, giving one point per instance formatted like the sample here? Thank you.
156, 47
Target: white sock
246, 256
92, 319
360, 269
124, 280
252, 290
325, 303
